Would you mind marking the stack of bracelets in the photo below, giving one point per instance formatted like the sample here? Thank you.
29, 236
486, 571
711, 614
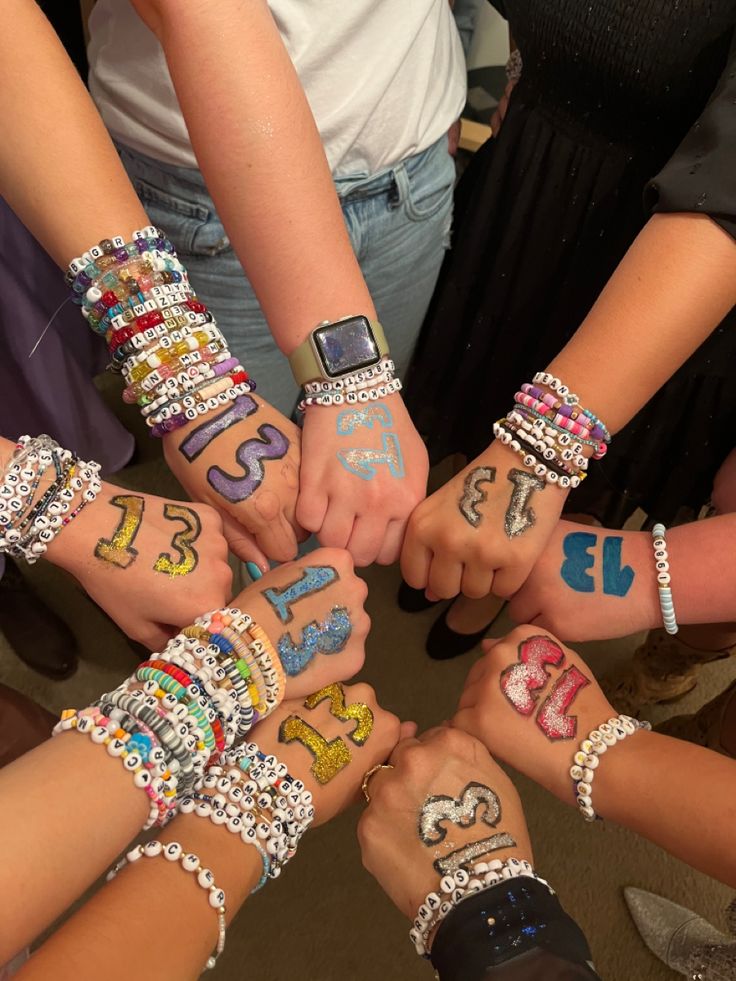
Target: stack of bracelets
178, 725
455, 888
368, 385
32, 515
166, 343
586, 760
550, 431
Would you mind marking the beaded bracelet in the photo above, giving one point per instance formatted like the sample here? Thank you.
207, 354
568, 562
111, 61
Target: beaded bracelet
547, 470
353, 397
461, 885
173, 852
587, 758
662, 566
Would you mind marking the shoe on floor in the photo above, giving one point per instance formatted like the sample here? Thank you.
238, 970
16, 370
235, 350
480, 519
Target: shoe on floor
681, 939
23, 724
703, 727
412, 600
444, 643
663, 669
38, 636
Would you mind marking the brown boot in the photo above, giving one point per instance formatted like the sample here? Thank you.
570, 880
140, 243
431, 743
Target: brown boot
663, 669
23, 724
705, 726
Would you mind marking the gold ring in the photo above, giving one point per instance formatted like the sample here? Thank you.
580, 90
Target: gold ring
369, 774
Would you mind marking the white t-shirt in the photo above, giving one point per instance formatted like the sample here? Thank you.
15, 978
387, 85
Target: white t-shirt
384, 78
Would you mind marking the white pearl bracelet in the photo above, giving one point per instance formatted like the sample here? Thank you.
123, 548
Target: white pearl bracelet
587, 759
173, 852
662, 566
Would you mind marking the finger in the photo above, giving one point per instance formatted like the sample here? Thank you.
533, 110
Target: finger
489, 643
476, 581
470, 695
242, 543
366, 540
416, 559
506, 582
311, 508
431, 596
278, 540
337, 526
445, 577
408, 730
392, 541
400, 749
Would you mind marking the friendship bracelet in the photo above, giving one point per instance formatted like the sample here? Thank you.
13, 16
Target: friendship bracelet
174, 852
461, 885
662, 566
587, 759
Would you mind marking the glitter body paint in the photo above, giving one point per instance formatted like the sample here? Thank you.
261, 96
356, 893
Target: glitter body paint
519, 514
473, 496
356, 711
200, 438
119, 549
520, 681
271, 444
182, 542
328, 637
464, 858
552, 717
329, 757
314, 578
364, 462
364, 415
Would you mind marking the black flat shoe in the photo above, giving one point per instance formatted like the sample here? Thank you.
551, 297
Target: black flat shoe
413, 600
443, 643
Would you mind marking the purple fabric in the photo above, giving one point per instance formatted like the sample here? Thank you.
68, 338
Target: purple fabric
52, 392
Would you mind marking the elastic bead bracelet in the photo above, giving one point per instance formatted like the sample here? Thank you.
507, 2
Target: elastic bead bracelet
662, 567
173, 852
587, 759
455, 888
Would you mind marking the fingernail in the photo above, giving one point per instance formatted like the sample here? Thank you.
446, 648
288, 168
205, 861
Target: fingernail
253, 571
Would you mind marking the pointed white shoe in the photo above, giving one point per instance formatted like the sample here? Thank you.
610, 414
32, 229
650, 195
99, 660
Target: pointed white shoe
683, 940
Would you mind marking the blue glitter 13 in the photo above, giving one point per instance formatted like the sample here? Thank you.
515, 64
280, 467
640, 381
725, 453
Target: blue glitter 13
329, 637
314, 578
363, 415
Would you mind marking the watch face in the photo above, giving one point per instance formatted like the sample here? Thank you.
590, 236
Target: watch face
346, 346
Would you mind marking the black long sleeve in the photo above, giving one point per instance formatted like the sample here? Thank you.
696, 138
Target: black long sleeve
700, 177
514, 931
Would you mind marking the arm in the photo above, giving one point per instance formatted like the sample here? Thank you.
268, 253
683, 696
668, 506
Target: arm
594, 584
503, 705
287, 227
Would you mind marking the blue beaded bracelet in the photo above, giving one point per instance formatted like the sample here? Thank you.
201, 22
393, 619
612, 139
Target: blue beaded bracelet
662, 568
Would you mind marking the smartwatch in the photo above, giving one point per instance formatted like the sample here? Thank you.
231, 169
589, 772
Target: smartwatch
339, 348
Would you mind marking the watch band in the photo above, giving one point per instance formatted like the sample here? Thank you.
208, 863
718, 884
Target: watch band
305, 364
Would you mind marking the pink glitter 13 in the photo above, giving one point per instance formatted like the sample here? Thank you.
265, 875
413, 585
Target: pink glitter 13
552, 717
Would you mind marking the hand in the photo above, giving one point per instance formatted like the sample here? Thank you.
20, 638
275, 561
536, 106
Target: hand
340, 762
364, 470
244, 461
440, 762
512, 703
152, 565
312, 610
483, 531
501, 109
591, 584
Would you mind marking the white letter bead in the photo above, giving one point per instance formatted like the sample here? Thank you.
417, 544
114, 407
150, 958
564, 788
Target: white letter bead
217, 898
173, 851
190, 862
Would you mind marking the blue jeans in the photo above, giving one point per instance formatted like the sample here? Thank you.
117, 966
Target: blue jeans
399, 225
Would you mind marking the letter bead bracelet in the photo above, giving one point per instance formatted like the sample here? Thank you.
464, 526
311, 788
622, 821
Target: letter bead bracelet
587, 759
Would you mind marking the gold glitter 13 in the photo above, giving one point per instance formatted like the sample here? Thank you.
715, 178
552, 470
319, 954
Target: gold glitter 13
329, 757
119, 550
182, 542
358, 711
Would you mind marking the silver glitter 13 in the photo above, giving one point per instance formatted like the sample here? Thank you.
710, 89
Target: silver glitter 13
473, 496
519, 515
464, 857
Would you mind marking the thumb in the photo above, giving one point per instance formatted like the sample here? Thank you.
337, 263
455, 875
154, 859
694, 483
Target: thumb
408, 730
242, 543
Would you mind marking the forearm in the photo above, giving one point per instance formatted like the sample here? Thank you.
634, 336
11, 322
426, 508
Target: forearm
68, 810
153, 891
635, 786
671, 290
58, 168
267, 171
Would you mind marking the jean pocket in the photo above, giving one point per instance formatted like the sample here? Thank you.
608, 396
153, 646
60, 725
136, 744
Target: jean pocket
192, 227
431, 188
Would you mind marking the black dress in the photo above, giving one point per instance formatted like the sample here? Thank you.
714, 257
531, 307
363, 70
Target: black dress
623, 108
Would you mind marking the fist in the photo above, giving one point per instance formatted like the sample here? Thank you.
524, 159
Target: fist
445, 804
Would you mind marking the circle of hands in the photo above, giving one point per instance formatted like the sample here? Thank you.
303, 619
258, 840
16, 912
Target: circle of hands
356, 478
